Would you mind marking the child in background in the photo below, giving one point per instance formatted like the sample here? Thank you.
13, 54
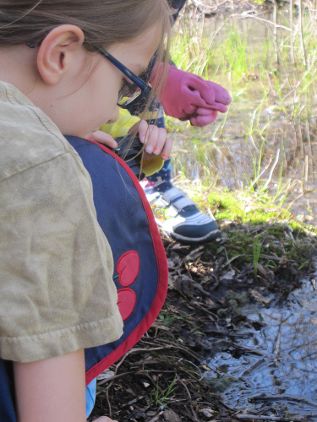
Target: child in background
184, 96
56, 289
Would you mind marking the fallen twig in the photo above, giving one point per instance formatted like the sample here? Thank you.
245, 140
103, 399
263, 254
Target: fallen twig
281, 397
247, 417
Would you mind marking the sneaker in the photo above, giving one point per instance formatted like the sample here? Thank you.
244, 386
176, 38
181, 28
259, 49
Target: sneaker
184, 222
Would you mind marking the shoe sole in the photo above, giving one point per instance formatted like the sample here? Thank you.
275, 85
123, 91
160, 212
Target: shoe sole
207, 238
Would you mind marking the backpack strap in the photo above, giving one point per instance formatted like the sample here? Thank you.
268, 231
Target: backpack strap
7, 395
140, 263
139, 256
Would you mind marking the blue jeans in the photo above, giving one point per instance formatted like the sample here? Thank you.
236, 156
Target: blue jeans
91, 391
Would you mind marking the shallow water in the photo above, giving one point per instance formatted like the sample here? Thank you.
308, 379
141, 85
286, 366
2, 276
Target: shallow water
281, 365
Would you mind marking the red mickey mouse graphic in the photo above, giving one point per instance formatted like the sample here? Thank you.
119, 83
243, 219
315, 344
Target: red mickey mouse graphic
128, 268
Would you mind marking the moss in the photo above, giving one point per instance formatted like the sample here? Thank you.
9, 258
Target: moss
261, 233
251, 208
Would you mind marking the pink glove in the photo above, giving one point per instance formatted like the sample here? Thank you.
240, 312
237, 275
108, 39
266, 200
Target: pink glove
189, 97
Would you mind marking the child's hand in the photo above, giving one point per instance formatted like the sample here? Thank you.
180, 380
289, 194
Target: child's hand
154, 138
103, 138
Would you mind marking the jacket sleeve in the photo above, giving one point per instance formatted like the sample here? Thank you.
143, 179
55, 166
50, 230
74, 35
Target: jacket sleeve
56, 289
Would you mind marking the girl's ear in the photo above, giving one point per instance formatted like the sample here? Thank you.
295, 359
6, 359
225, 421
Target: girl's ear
57, 51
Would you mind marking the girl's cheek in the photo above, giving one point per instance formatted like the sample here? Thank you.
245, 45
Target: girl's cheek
115, 115
110, 112
114, 108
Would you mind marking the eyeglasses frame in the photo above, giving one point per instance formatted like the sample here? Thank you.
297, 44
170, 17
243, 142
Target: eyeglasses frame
140, 83
145, 87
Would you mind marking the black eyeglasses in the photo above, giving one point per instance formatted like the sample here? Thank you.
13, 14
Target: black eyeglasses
133, 95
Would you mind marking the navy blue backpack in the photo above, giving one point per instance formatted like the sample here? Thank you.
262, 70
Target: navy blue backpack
140, 270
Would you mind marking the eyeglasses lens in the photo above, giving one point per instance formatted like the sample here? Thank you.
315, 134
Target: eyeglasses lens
128, 93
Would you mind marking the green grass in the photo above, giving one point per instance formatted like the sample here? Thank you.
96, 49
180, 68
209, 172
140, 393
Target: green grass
261, 232
162, 396
273, 103
247, 207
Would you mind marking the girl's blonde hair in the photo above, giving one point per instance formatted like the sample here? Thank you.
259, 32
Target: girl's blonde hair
104, 22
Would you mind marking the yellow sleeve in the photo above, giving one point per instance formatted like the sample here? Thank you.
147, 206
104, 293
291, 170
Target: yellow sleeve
122, 126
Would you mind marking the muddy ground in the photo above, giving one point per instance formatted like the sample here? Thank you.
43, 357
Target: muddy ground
162, 378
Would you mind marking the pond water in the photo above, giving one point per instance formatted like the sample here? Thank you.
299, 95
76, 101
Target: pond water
259, 139
278, 368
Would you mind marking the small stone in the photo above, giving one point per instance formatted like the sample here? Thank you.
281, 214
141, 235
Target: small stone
207, 412
106, 375
171, 416
228, 276
259, 297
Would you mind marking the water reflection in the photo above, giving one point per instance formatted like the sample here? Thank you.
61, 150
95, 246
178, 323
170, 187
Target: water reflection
282, 375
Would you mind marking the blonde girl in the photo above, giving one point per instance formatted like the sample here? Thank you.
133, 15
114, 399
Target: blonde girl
56, 291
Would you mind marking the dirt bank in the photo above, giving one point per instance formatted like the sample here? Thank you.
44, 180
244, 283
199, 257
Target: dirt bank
162, 378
